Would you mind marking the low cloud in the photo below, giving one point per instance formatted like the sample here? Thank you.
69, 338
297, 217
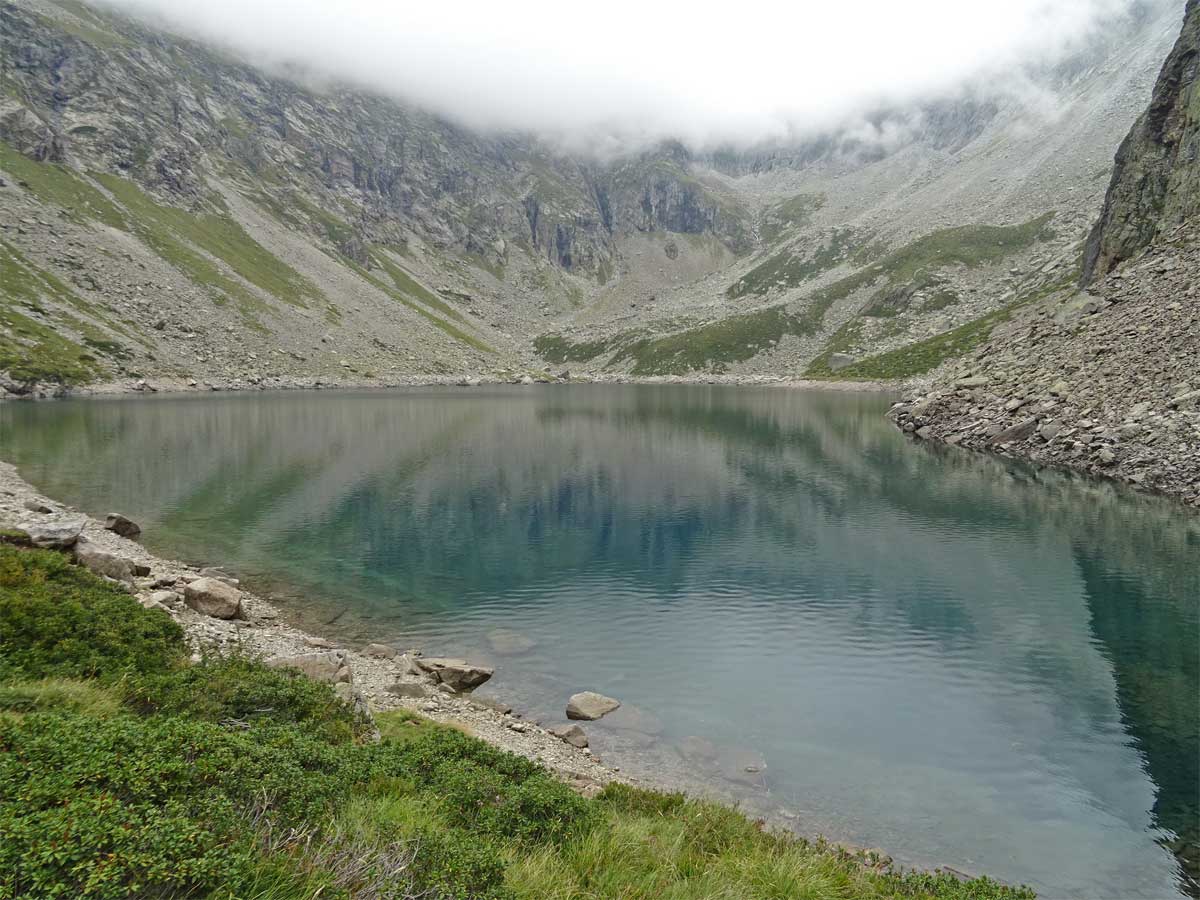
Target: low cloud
606, 74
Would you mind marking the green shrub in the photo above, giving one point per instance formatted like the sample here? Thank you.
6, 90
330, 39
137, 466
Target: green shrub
58, 620
454, 865
243, 691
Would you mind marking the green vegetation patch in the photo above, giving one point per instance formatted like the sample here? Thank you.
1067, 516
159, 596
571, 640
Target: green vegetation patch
31, 349
555, 348
403, 298
922, 356
717, 345
173, 233
787, 270
59, 186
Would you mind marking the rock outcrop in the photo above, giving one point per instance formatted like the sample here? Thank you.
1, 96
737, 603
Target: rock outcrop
1156, 182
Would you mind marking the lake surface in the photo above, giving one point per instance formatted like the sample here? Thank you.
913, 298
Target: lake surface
962, 661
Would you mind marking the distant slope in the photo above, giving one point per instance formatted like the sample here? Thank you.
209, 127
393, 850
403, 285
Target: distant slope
170, 212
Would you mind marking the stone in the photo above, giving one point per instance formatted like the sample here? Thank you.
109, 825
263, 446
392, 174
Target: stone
380, 651
589, 706
1050, 430
53, 535
329, 666
169, 599
37, 506
925, 432
510, 643
412, 689
458, 674
1018, 432
406, 664
571, 734
102, 563
212, 597
119, 524
972, 382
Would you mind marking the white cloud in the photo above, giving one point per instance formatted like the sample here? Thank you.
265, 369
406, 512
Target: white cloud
638, 68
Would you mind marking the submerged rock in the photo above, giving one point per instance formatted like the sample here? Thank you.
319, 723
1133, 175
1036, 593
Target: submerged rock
510, 643
589, 706
213, 597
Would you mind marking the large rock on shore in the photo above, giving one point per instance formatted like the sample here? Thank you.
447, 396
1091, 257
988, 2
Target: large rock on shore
589, 706
103, 563
53, 535
119, 524
455, 673
331, 666
213, 597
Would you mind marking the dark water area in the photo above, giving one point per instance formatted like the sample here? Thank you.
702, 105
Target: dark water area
960, 660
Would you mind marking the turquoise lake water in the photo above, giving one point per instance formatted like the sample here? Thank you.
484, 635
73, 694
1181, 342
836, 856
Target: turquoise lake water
960, 660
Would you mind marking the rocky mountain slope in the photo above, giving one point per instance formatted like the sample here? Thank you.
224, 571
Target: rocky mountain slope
1106, 380
171, 213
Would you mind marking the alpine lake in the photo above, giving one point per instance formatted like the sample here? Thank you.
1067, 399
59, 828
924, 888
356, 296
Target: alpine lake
959, 659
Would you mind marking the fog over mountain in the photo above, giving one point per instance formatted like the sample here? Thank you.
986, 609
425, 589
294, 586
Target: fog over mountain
609, 75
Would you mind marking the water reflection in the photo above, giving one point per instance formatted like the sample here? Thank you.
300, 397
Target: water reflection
961, 660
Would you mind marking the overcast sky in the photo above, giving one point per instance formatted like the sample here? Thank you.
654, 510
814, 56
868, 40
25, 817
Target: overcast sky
741, 71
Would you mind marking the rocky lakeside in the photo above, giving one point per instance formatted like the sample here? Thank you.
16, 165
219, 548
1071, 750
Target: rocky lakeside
221, 616
1106, 383
218, 615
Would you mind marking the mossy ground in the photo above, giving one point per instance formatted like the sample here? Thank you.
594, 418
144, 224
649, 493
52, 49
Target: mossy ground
126, 771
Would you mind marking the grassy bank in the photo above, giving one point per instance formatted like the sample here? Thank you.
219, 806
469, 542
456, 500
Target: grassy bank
128, 771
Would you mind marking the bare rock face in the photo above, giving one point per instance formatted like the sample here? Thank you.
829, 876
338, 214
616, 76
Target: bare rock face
214, 598
1156, 183
571, 734
458, 674
53, 535
590, 706
330, 666
119, 524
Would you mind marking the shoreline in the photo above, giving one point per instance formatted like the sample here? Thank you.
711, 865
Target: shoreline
265, 631
168, 386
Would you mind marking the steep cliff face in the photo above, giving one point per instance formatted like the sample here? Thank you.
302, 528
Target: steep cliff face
1156, 182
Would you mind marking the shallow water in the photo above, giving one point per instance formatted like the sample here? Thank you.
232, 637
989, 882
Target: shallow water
963, 661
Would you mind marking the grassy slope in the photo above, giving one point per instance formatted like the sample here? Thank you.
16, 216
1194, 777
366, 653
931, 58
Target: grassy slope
125, 771
922, 356
738, 338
